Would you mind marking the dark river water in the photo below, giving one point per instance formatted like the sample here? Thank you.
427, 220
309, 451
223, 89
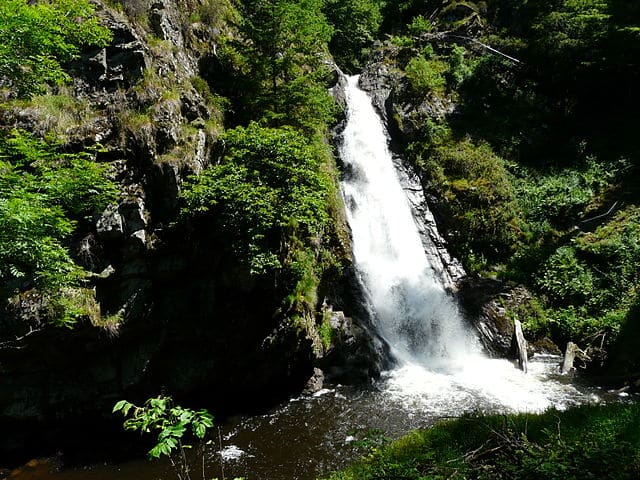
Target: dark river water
310, 436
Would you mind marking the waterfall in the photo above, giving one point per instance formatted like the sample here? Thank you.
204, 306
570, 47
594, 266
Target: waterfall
439, 365
409, 305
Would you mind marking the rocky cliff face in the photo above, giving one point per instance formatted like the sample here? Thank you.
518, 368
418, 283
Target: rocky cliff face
182, 318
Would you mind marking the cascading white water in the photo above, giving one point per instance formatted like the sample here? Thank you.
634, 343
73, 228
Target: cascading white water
411, 308
438, 358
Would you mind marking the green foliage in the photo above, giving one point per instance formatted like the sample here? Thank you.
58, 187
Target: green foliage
215, 13
574, 28
170, 423
533, 315
277, 68
478, 197
267, 184
43, 195
595, 279
326, 331
67, 306
426, 76
31, 253
420, 25
585, 442
460, 69
37, 38
565, 152
59, 115
565, 278
73, 181
560, 195
355, 26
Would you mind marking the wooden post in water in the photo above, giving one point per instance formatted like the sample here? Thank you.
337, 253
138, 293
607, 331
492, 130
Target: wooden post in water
521, 345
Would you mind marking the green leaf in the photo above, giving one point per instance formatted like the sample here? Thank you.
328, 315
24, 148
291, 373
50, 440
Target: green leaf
119, 406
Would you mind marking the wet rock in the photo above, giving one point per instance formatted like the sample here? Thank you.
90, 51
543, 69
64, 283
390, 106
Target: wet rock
446, 267
315, 383
480, 301
356, 353
110, 225
133, 215
338, 91
378, 80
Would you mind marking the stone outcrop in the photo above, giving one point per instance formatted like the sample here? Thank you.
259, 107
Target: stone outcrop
481, 299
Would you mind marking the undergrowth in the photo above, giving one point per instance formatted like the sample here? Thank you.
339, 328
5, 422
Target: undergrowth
600, 442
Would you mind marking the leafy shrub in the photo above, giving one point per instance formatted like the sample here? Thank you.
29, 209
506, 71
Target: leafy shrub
426, 75
593, 282
44, 194
31, 252
355, 25
37, 38
460, 68
419, 25
268, 182
477, 195
173, 425
565, 278
561, 194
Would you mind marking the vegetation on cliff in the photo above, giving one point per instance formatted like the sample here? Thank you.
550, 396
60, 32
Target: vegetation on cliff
47, 194
37, 38
518, 115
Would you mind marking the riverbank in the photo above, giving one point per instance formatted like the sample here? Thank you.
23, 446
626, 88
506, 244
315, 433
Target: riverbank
584, 442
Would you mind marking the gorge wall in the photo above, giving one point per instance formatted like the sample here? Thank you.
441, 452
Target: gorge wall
184, 317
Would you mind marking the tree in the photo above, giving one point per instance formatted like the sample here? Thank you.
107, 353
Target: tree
355, 25
284, 57
268, 181
37, 38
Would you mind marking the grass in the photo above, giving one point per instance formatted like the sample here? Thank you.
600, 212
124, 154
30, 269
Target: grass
600, 442
59, 114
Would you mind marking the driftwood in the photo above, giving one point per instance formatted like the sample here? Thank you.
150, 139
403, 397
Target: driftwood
570, 355
521, 345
